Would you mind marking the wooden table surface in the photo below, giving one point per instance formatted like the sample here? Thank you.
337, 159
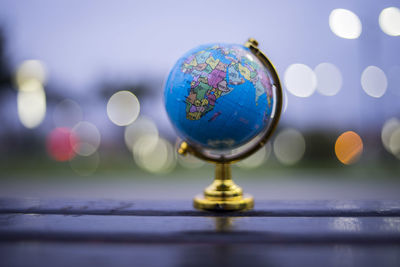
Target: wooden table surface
96, 232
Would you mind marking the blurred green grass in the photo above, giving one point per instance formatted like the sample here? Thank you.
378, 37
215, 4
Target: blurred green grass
111, 166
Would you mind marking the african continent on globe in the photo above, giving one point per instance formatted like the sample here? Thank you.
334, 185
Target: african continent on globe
219, 96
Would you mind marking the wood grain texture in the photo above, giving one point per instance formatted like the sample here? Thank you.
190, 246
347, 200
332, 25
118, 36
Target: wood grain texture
65, 232
315, 208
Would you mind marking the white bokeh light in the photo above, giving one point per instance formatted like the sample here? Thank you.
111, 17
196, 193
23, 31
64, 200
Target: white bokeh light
289, 146
189, 161
141, 127
31, 105
374, 81
300, 80
123, 108
88, 138
329, 79
345, 23
390, 126
389, 21
257, 159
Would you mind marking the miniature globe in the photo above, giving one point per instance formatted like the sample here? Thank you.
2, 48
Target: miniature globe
219, 96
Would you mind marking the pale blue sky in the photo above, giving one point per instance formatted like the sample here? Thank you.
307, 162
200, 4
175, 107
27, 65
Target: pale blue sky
82, 42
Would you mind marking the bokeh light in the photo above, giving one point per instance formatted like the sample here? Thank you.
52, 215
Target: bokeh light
389, 127
300, 80
154, 154
374, 81
60, 144
31, 104
329, 79
143, 126
348, 147
289, 146
345, 23
85, 165
30, 85
30, 70
389, 21
123, 108
257, 159
88, 138
394, 143
67, 113
189, 161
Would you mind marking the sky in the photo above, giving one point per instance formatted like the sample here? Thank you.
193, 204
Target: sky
82, 42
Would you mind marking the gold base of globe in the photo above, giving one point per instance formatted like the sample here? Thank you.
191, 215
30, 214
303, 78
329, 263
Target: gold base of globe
246, 202
223, 194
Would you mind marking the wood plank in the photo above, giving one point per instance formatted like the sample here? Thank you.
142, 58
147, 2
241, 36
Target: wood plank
65, 232
319, 208
185, 229
52, 254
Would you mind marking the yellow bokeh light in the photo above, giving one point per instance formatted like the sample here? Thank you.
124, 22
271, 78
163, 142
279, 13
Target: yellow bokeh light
394, 143
154, 154
123, 108
30, 70
30, 86
31, 104
345, 23
348, 147
289, 146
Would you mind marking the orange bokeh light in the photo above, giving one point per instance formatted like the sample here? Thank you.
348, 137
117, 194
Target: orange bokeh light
348, 147
61, 143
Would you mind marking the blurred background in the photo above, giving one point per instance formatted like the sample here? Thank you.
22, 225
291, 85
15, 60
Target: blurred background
81, 92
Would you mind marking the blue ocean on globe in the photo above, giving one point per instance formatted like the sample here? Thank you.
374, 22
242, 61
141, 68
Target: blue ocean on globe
219, 96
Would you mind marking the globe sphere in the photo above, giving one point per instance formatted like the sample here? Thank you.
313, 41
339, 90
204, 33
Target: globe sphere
219, 96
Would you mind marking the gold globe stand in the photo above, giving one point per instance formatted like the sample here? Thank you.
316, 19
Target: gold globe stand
223, 194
